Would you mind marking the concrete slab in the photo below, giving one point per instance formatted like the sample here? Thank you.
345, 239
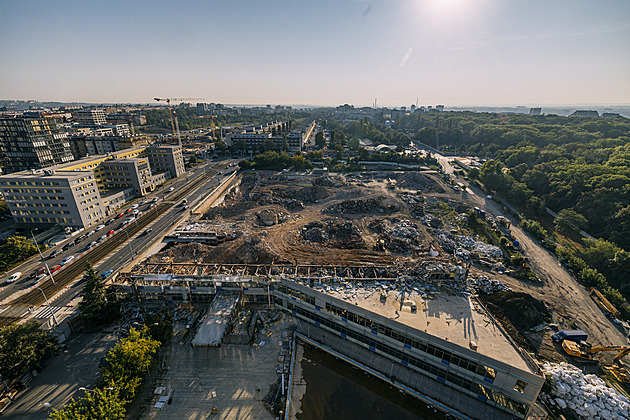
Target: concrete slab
233, 379
457, 319
215, 322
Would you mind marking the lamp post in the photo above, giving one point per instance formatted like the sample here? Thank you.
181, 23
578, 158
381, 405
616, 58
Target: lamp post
128, 240
48, 304
37, 246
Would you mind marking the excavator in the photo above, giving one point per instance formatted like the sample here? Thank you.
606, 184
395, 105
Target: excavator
585, 351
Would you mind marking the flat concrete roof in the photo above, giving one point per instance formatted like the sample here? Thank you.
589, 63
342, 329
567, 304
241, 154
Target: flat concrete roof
456, 319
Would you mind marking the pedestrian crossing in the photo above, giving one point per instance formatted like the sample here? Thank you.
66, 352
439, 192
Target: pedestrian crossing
46, 312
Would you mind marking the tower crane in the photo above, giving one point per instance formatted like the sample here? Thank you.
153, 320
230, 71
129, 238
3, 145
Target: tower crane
168, 102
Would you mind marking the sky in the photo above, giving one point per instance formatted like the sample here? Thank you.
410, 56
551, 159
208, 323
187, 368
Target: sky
322, 52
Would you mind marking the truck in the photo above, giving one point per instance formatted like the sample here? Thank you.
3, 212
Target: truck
571, 335
480, 212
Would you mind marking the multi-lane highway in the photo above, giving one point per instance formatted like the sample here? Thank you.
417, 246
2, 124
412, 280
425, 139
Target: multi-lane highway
118, 250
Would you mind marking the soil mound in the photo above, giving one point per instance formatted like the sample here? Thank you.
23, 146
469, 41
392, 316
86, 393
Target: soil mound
334, 233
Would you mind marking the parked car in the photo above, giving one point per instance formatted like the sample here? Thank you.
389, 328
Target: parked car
99, 227
67, 259
55, 253
55, 268
13, 277
106, 274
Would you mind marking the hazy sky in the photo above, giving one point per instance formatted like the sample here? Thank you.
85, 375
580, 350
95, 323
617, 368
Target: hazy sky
321, 52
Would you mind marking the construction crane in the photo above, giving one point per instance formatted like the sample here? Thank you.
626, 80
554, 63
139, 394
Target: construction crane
176, 124
585, 352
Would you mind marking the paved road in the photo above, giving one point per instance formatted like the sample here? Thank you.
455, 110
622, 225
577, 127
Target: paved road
559, 289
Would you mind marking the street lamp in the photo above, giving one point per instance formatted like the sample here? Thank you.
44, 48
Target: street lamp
48, 304
37, 246
128, 240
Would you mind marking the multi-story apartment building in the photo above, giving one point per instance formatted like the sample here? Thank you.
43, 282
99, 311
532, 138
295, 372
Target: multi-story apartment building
166, 159
32, 143
81, 193
92, 118
89, 145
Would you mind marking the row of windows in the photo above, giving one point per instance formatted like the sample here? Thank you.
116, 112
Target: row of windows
44, 220
39, 205
26, 183
442, 375
26, 213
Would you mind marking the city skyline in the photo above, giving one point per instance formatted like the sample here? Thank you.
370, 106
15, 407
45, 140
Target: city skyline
454, 52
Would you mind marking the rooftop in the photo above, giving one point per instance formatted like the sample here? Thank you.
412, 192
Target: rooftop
456, 319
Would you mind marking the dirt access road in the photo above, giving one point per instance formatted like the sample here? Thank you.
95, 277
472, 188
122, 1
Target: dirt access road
559, 290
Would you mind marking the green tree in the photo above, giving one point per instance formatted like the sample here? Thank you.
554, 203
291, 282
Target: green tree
192, 160
97, 404
159, 325
95, 308
127, 363
219, 144
473, 173
21, 346
320, 140
285, 143
569, 220
354, 143
15, 249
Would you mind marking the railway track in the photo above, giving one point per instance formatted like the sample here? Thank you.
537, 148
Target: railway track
69, 273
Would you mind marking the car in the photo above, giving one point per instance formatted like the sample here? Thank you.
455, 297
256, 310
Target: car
109, 222
79, 239
135, 206
56, 268
67, 259
142, 203
128, 211
171, 189
99, 227
138, 214
39, 271
90, 245
118, 216
111, 232
184, 201
55, 253
90, 233
185, 207
68, 246
151, 206
40, 277
106, 274
136, 211
101, 239
131, 219
13, 277
156, 199
146, 232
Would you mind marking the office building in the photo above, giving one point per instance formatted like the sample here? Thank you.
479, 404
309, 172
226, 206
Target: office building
166, 158
32, 143
535, 111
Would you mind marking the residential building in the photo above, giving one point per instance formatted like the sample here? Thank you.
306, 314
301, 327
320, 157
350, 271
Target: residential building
91, 117
82, 192
585, 113
32, 143
166, 158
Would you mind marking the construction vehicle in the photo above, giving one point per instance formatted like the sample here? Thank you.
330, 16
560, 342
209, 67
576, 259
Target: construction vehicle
604, 303
585, 351
174, 122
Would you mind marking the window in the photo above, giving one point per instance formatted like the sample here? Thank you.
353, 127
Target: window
520, 386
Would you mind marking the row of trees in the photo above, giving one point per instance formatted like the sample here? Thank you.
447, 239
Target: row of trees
127, 363
14, 250
22, 347
277, 161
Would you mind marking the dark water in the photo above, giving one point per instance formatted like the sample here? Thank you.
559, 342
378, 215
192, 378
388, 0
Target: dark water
337, 390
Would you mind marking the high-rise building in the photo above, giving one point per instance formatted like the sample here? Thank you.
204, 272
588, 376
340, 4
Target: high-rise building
535, 111
32, 143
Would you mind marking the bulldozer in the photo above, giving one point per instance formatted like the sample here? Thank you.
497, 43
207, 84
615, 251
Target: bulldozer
585, 351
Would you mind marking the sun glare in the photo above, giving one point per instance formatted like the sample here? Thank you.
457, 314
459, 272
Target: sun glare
443, 11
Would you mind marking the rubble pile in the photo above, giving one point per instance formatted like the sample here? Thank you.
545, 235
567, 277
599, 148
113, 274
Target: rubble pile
358, 206
275, 197
398, 236
418, 181
335, 233
415, 204
586, 395
312, 194
328, 181
486, 285
462, 246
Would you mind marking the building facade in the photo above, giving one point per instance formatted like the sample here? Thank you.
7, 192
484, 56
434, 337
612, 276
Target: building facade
59, 194
32, 143
92, 118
